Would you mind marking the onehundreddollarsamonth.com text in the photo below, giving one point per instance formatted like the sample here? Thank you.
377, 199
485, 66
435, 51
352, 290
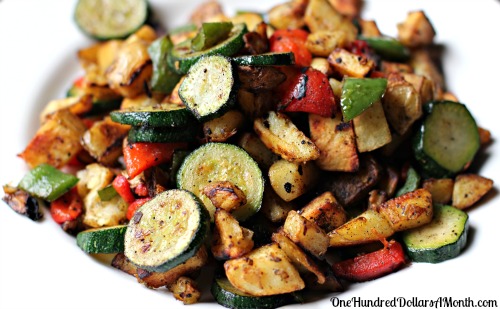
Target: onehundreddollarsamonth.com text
401, 302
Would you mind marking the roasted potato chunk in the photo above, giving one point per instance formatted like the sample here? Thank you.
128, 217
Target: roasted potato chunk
290, 180
369, 28
56, 141
416, 30
288, 15
422, 85
257, 150
186, 290
323, 43
76, 105
468, 189
347, 63
280, 135
408, 210
264, 271
371, 128
306, 233
322, 65
255, 104
222, 128
104, 140
225, 195
440, 189
298, 257
230, 240
274, 207
325, 211
336, 143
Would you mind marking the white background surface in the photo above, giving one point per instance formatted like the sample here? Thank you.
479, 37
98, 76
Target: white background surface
41, 266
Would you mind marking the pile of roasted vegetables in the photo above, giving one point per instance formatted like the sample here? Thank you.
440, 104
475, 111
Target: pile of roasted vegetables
289, 151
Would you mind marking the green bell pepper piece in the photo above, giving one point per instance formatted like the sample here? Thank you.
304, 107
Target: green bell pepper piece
360, 93
163, 79
107, 193
210, 34
47, 182
412, 182
388, 48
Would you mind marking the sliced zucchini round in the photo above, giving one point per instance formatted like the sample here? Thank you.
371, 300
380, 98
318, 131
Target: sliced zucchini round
228, 296
214, 162
105, 20
447, 141
266, 59
166, 231
208, 88
102, 240
440, 240
183, 57
161, 134
162, 115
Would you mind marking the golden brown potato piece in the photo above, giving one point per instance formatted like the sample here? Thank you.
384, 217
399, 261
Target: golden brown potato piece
325, 211
371, 128
186, 290
104, 140
56, 141
257, 150
290, 180
207, 11
347, 63
255, 105
408, 210
423, 64
298, 257
484, 136
288, 15
225, 195
375, 198
230, 240
323, 43
336, 143
306, 233
351, 8
422, 85
280, 135
367, 227
274, 207
222, 128
468, 189
416, 30
76, 105
448, 96
440, 189
402, 103
322, 65
395, 67
369, 28
264, 271
320, 15
157, 280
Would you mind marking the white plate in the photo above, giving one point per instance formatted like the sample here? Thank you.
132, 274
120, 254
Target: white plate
41, 267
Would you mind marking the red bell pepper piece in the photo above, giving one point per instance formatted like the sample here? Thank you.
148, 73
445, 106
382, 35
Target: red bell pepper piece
141, 190
122, 187
66, 208
136, 205
141, 156
292, 41
309, 92
372, 265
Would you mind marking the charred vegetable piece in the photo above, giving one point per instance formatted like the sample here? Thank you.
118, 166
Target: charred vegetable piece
166, 231
360, 93
22, 203
47, 182
272, 58
105, 20
67, 208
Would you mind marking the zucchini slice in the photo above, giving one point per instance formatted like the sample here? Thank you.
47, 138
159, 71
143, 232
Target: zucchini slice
266, 59
440, 240
230, 297
106, 20
183, 58
102, 240
214, 162
207, 91
161, 134
447, 140
166, 231
162, 115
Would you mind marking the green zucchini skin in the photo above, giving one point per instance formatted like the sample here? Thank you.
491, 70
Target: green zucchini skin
223, 162
161, 134
155, 117
271, 58
166, 231
208, 89
183, 58
102, 240
94, 18
447, 139
440, 240
228, 296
